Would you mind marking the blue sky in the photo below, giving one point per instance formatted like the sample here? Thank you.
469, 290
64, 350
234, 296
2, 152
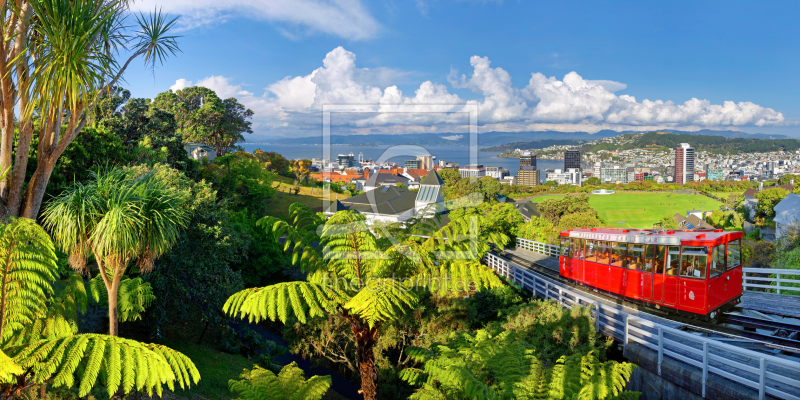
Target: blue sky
595, 63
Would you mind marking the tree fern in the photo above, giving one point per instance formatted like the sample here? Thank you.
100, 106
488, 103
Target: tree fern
483, 367
289, 384
118, 364
367, 281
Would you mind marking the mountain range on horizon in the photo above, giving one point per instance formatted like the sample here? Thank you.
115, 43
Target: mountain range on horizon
489, 139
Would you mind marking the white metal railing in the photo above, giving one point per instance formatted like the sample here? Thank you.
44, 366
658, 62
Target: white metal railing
751, 280
538, 247
767, 374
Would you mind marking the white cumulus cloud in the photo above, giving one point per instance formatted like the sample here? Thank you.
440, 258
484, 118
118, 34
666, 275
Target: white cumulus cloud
348, 19
572, 103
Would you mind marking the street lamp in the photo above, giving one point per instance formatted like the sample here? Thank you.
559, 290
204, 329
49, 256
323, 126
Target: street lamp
620, 224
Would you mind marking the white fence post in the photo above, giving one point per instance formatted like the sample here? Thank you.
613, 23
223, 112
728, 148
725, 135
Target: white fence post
625, 337
597, 316
762, 379
779, 283
705, 366
660, 348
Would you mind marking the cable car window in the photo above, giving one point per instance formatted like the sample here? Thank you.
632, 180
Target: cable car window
673, 260
577, 248
591, 250
564, 250
648, 259
604, 252
661, 255
734, 254
694, 261
619, 252
717, 261
636, 256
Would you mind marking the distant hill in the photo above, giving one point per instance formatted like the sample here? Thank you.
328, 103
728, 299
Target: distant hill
713, 144
534, 145
490, 139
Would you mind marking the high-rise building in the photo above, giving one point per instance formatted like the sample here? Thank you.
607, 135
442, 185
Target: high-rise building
528, 176
527, 159
572, 159
684, 164
346, 160
413, 164
426, 162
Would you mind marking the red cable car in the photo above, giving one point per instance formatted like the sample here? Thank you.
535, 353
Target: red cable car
698, 272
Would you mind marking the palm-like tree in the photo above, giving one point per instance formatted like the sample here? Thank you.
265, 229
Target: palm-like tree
117, 218
59, 55
38, 340
368, 282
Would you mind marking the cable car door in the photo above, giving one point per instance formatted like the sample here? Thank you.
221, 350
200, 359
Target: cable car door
658, 275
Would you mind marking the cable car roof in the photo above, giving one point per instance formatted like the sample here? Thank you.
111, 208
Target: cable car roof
672, 237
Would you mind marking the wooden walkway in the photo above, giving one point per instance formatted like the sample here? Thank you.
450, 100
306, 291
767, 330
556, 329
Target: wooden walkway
772, 303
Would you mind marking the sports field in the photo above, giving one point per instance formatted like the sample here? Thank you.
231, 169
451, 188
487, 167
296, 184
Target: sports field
641, 210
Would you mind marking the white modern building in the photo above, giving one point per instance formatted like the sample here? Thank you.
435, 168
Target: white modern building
496, 172
476, 170
571, 176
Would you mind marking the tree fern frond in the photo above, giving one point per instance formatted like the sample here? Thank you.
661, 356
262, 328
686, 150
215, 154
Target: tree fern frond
8, 368
381, 300
27, 270
277, 302
89, 357
289, 384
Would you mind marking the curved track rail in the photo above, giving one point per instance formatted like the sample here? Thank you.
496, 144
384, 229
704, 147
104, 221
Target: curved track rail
785, 336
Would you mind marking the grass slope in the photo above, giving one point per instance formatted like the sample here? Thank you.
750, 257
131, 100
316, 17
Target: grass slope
641, 210
280, 205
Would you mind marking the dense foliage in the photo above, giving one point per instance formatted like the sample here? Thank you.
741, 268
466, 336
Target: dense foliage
203, 117
38, 332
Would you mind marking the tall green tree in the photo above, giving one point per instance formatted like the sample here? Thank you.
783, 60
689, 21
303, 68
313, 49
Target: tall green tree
365, 281
767, 200
205, 118
59, 55
116, 219
38, 340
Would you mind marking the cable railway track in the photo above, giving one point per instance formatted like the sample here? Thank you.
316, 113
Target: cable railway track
785, 336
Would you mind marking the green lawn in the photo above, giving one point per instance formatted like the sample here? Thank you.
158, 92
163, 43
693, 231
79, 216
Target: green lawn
280, 206
216, 369
641, 210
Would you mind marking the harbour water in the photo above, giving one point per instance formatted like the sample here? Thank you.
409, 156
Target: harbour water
398, 154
